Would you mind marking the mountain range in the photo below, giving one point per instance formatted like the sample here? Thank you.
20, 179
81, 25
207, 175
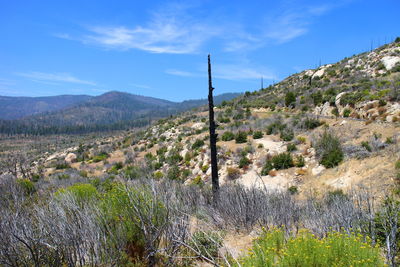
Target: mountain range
83, 113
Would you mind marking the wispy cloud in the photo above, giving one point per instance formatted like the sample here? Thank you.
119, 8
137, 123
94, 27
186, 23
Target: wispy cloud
237, 72
54, 78
178, 29
180, 73
293, 23
229, 72
171, 29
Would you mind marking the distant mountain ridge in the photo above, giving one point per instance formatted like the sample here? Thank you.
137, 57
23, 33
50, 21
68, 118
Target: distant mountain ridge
18, 107
109, 111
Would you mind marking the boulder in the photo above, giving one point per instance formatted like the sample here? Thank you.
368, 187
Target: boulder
390, 61
198, 125
70, 158
337, 99
317, 170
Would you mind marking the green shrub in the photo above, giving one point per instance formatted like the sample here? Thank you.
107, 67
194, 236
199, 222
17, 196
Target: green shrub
63, 176
197, 144
305, 249
100, 157
173, 173
149, 156
331, 196
279, 162
282, 161
290, 99
275, 127
204, 168
397, 165
287, 135
291, 147
227, 136
133, 172
346, 112
244, 162
311, 123
197, 180
293, 190
62, 165
329, 150
35, 177
27, 186
335, 112
300, 162
207, 243
241, 137
366, 145
126, 208
186, 173
382, 102
82, 192
257, 135
157, 165
174, 157
158, 175
389, 140
115, 168
317, 98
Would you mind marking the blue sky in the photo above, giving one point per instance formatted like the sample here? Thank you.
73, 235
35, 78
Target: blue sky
159, 48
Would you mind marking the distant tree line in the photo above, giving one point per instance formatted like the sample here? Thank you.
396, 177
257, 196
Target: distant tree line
29, 128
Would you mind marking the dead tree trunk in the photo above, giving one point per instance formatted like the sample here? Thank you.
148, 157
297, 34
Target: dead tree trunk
213, 138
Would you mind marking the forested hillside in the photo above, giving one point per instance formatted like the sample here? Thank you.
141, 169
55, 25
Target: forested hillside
110, 111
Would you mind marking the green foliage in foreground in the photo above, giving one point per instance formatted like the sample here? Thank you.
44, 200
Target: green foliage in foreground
305, 249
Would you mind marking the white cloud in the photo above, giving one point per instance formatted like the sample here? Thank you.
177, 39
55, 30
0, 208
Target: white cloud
180, 73
178, 29
237, 72
169, 30
54, 78
229, 72
293, 23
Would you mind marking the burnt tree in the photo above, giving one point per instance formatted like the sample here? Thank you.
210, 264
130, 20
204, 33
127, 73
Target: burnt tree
213, 138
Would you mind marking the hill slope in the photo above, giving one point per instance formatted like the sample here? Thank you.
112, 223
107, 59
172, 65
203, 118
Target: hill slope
274, 138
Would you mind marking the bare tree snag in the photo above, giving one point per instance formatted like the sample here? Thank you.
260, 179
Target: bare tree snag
213, 138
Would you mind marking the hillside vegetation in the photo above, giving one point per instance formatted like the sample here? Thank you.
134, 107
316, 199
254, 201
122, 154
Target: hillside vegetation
309, 171
109, 111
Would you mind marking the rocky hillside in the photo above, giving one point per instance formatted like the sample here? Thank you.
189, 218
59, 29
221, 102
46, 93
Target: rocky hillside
364, 86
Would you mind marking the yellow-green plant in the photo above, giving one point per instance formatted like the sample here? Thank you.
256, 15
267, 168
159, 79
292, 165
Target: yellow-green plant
305, 249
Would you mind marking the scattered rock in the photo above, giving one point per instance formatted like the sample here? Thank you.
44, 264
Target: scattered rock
390, 61
198, 125
317, 170
70, 158
337, 99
